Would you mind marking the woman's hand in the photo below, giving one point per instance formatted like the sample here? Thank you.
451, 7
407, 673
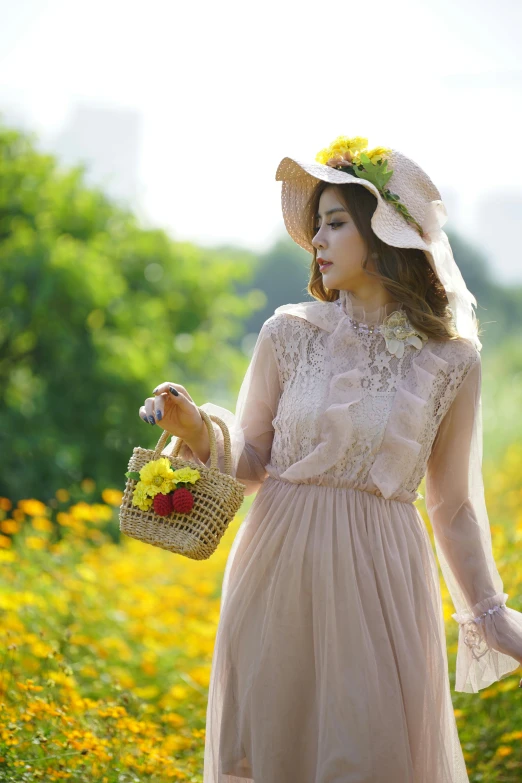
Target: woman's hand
174, 410
507, 640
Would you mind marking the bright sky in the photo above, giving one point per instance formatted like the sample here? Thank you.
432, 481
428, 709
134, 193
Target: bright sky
225, 91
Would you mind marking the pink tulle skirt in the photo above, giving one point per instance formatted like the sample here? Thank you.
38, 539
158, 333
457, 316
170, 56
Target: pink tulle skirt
330, 661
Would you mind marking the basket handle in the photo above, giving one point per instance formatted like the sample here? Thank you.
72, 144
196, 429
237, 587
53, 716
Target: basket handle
208, 419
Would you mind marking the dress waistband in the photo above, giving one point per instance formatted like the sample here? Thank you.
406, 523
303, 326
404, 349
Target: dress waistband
272, 475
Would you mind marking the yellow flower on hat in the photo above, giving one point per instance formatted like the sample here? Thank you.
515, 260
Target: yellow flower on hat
157, 476
341, 145
378, 153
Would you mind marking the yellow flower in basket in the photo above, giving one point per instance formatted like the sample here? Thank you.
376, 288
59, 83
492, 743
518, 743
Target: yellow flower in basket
157, 475
140, 498
185, 475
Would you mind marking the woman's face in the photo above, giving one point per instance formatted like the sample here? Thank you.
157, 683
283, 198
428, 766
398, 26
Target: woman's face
338, 240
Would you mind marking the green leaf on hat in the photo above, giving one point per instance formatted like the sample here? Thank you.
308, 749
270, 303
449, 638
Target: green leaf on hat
375, 173
133, 474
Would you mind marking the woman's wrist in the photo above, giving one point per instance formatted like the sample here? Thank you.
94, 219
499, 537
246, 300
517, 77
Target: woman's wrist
199, 444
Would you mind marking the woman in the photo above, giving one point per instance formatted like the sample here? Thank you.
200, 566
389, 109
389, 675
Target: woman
330, 659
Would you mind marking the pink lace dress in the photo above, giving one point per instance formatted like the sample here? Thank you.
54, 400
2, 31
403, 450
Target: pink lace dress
330, 661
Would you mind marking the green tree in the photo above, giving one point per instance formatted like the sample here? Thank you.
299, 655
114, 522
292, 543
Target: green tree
94, 312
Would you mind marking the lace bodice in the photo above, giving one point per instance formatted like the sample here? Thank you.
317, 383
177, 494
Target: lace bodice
350, 413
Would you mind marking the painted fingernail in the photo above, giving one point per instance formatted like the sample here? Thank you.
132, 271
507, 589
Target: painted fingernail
155, 390
158, 415
151, 419
145, 419
173, 390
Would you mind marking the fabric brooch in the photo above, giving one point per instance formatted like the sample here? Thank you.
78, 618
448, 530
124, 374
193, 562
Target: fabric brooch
398, 332
352, 156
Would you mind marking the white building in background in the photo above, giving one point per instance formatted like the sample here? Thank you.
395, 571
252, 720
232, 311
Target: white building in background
108, 141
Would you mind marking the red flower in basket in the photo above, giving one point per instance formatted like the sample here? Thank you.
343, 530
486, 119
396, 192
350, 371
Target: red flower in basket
163, 504
182, 500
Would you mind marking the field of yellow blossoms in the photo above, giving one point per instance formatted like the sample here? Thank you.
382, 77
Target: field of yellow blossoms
106, 645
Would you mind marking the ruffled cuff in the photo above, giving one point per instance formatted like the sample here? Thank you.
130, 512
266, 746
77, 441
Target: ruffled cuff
490, 635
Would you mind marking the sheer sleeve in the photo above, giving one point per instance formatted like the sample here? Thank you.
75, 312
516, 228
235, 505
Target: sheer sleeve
490, 633
251, 428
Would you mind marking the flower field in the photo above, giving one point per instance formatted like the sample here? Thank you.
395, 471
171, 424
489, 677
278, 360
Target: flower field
106, 645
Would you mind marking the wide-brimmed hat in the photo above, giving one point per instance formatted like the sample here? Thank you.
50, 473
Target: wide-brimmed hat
408, 180
409, 211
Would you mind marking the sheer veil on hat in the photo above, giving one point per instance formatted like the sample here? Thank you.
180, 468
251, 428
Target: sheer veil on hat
418, 196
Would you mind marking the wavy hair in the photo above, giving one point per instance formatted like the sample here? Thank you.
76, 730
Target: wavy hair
405, 273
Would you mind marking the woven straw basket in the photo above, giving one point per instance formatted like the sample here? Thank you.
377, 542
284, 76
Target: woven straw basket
217, 497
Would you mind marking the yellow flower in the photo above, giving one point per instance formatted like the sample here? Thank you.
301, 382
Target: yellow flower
33, 542
187, 475
140, 498
112, 497
88, 485
378, 153
33, 508
341, 145
43, 524
10, 526
5, 542
157, 476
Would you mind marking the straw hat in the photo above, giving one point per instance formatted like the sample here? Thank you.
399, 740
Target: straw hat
409, 212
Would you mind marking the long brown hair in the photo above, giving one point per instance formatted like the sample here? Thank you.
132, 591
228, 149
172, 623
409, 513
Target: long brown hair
404, 272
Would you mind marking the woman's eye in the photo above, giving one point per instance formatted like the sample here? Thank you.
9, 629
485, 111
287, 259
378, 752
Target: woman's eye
328, 224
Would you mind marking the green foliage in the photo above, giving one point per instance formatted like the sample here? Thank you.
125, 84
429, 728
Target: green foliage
282, 275
95, 311
376, 173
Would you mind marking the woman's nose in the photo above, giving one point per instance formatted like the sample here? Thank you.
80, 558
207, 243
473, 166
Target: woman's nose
318, 240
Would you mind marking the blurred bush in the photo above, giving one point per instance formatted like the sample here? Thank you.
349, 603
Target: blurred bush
94, 313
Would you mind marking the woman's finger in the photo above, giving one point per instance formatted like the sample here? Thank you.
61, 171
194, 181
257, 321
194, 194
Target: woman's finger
174, 389
153, 410
143, 414
159, 406
150, 402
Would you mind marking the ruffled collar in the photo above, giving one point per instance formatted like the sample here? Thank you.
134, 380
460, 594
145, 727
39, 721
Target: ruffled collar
346, 317
358, 312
